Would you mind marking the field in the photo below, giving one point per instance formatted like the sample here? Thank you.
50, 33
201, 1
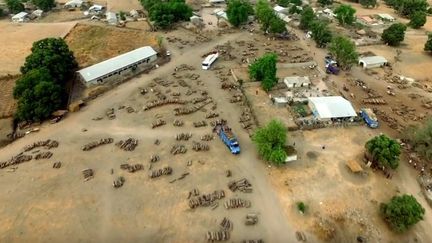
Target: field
123, 5
17, 40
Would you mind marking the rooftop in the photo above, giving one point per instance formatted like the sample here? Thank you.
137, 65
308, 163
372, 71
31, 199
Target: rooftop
386, 16
373, 60
332, 107
296, 80
20, 15
98, 70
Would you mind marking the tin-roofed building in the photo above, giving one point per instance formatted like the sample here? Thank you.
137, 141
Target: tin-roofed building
331, 107
372, 62
118, 68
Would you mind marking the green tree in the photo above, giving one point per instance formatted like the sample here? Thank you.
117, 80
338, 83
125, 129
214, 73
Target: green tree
344, 50
345, 14
264, 70
38, 95
15, 6
306, 18
408, 7
321, 33
417, 19
270, 141
122, 15
238, 11
384, 151
53, 54
394, 34
420, 136
296, 2
325, 2
1, 12
264, 13
428, 44
277, 25
294, 10
402, 212
283, 3
166, 13
368, 3
45, 5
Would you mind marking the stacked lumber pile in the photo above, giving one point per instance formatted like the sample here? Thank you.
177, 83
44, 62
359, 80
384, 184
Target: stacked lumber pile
127, 145
95, 144
242, 185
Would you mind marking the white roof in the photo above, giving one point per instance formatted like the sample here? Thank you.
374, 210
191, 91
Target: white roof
216, 1
115, 63
74, 2
96, 7
20, 15
220, 13
278, 8
386, 16
296, 80
373, 60
332, 107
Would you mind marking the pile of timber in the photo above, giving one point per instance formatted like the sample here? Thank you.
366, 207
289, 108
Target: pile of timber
236, 98
88, 174
226, 224
228, 85
251, 219
119, 182
178, 149
95, 144
132, 168
207, 137
183, 136
164, 171
194, 193
206, 199
43, 155
47, 144
16, 160
237, 203
178, 123
217, 122
127, 145
183, 176
154, 158
190, 109
211, 115
183, 83
130, 109
199, 99
158, 123
200, 146
217, 236
57, 165
110, 114
374, 101
242, 185
228, 173
253, 241
157, 103
200, 124
175, 94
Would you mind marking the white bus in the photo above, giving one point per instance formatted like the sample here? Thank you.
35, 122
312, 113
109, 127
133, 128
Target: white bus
209, 60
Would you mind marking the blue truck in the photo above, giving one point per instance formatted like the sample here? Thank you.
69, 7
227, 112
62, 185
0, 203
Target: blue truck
227, 137
331, 65
369, 117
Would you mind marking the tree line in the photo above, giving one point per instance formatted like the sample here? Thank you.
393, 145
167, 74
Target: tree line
165, 13
16, 6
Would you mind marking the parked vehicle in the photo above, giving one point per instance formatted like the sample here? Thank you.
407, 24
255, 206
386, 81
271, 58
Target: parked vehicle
227, 137
369, 117
209, 60
332, 69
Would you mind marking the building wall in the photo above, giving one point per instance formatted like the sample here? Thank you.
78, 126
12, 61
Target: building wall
121, 74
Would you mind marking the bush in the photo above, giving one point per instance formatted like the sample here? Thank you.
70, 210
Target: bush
402, 212
45, 5
238, 12
307, 18
264, 70
368, 3
394, 34
15, 6
420, 137
301, 207
268, 19
300, 109
321, 33
344, 51
345, 14
166, 13
270, 141
384, 151
428, 44
417, 20
283, 3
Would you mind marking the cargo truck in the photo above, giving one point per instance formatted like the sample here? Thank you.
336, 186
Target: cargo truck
227, 137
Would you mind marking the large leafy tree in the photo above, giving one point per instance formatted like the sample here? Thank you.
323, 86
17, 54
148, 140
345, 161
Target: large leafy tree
283, 3
307, 18
277, 25
344, 50
53, 54
345, 14
428, 44
15, 6
325, 2
402, 212
238, 11
45, 5
417, 19
166, 13
394, 34
264, 70
321, 33
384, 151
368, 3
420, 137
268, 19
38, 95
408, 7
270, 141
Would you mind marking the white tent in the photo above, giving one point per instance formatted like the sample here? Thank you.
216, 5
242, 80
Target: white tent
329, 107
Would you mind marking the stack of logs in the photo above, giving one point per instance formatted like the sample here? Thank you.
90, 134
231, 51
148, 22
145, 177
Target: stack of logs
164, 171
178, 123
200, 146
48, 144
43, 155
226, 224
217, 236
251, 219
88, 174
178, 149
253, 241
154, 158
110, 114
119, 182
237, 203
207, 137
93, 145
16, 160
211, 115
242, 185
200, 124
57, 165
206, 199
157, 103
183, 136
128, 145
131, 168
158, 123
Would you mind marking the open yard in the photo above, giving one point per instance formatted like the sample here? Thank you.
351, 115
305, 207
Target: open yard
7, 102
123, 5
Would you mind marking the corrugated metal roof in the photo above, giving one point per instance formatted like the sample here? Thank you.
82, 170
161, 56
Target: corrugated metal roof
373, 60
332, 107
115, 63
296, 80
20, 15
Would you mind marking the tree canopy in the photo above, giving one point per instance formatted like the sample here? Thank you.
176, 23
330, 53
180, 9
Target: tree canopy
384, 151
345, 14
417, 19
165, 13
408, 7
264, 70
15, 6
238, 11
325, 2
283, 3
53, 54
321, 33
307, 17
428, 44
368, 3
45, 5
344, 51
402, 212
394, 34
270, 141
268, 19
420, 136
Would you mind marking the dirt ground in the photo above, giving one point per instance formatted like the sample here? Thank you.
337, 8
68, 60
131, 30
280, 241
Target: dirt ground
17, 40
123, 5
92, 43
7, 102
62, 16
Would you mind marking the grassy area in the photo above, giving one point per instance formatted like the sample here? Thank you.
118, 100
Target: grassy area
301, 109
